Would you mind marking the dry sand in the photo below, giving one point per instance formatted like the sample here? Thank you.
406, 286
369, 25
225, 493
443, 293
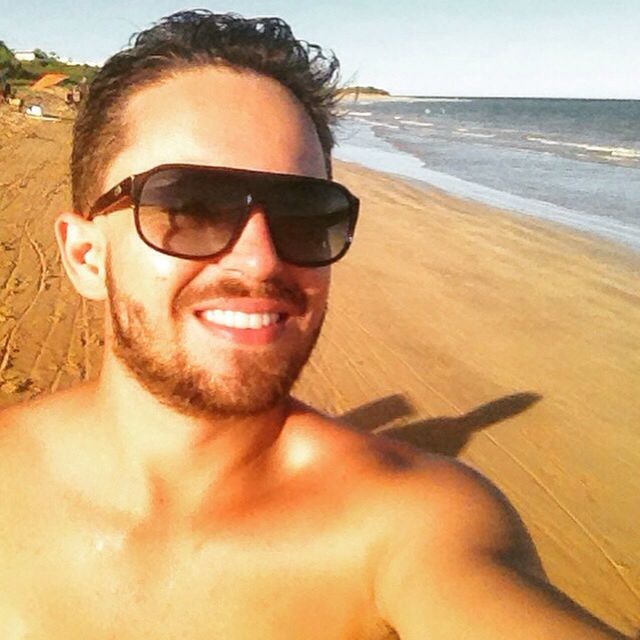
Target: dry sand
512, 344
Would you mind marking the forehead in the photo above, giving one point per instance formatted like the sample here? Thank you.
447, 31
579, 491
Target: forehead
218, 117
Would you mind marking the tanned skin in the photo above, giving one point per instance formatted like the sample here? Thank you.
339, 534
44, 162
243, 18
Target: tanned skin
123, 516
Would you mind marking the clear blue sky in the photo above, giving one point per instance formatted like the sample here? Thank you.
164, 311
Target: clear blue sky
555, 48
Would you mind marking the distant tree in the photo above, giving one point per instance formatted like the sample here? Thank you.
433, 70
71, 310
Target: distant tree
364, 90
6, 55
9, 66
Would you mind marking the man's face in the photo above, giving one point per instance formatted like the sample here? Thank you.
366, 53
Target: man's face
229, 335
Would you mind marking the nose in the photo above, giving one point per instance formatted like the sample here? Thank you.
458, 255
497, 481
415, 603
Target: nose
253, 254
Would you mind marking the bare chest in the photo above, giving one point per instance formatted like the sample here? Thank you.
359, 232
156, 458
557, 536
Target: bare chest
80, 582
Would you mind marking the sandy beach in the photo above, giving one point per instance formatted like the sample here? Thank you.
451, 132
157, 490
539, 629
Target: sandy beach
509, 343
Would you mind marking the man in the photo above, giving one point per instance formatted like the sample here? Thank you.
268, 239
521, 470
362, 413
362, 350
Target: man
185, 494
76, 95
7, 91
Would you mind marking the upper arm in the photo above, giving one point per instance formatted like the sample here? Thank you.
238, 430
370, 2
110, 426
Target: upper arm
460, 564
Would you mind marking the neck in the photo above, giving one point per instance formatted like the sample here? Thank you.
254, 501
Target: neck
187, 456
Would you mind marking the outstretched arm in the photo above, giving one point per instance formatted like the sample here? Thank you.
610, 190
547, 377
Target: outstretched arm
461, 565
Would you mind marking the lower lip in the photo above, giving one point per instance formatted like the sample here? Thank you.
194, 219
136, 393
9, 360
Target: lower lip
253, 337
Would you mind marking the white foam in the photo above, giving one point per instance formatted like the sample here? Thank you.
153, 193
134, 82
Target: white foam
383, 157
380, 124
411, 99
415, 123
468, 134
623, 152
444, 99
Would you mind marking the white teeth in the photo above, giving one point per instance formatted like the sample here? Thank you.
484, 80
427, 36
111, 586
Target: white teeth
239, 319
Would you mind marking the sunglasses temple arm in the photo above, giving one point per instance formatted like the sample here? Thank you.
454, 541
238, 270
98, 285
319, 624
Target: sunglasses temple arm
113, 199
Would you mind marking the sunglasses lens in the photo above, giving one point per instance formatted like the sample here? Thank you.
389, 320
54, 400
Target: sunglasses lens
310, 222
190, 213
197, 213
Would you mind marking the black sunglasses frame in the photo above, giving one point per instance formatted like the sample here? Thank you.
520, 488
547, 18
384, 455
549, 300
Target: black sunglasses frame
129, 190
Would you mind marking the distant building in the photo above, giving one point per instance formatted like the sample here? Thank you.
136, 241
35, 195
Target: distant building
25, 56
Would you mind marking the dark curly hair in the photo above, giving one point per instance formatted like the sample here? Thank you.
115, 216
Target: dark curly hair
191, 39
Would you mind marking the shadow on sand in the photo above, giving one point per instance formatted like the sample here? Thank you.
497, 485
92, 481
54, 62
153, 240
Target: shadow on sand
445, 435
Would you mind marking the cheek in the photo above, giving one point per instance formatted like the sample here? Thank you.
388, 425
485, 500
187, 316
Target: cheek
315, 283
161, 266
147, 276
137, 273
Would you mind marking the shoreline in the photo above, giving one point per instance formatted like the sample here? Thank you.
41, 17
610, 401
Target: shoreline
593, 241
409, 168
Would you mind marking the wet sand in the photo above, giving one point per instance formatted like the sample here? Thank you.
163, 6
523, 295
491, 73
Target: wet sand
510, 343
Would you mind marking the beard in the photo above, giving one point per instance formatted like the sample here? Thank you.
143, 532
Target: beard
254, 381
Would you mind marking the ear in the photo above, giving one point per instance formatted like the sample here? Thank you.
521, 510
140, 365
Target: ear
82, 247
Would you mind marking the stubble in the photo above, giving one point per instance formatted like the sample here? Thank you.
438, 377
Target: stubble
255, 381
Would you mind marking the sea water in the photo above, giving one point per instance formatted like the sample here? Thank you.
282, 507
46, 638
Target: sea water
575, 162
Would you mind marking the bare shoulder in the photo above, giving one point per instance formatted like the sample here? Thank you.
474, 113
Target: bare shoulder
45, 408
14, 421
430, 502
25, 427
19, 448
451, 510
19, 420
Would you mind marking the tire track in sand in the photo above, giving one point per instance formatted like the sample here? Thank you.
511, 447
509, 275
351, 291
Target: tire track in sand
8, 346
552, 496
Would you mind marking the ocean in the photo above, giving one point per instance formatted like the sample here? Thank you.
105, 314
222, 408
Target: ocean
574, 162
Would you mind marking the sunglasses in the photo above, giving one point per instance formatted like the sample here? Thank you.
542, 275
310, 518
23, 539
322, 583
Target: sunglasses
198, 212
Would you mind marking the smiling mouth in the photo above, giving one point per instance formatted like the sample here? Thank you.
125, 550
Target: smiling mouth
241, 320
